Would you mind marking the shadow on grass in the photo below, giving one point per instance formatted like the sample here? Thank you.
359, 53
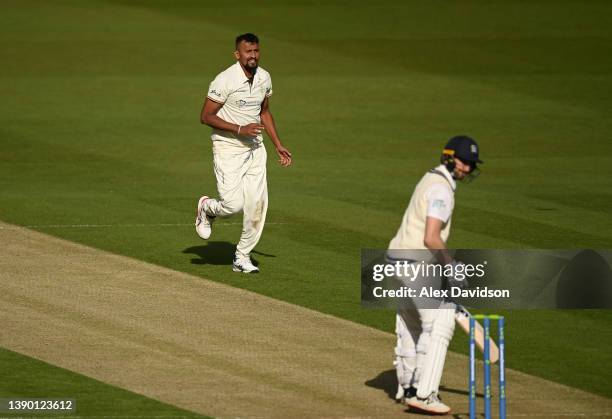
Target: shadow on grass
461, 392
386, 381
218, 253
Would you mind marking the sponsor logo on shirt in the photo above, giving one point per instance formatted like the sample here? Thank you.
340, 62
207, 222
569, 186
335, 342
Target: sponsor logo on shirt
438, 203
242, 103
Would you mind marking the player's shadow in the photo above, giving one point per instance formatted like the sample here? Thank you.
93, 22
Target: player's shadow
387, 381
466, 393
217, 253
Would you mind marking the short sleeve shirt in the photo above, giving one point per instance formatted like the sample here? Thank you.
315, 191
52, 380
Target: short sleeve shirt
241, 101
440, 201
433, 197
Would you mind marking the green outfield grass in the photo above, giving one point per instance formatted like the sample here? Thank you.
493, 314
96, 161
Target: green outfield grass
100, 134
24, 377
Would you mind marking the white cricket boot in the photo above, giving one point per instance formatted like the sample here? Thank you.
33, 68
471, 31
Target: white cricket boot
432, 405
245, 265
203, 221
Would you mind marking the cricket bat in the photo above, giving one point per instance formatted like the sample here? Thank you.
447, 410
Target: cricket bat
462, 317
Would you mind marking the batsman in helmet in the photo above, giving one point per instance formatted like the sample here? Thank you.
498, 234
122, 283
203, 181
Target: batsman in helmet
423, 334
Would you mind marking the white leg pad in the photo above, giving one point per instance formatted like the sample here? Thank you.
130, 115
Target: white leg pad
405, 354
421, 349
441, 334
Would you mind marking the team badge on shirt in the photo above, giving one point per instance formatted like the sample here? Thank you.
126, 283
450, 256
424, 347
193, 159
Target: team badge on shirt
438, 203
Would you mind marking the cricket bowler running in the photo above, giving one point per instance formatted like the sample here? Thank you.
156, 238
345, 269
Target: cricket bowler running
237, 108
423, 334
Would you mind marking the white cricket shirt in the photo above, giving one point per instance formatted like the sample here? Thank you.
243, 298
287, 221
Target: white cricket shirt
241, 104
434, 196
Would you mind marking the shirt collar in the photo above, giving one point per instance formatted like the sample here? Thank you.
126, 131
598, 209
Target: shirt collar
442, 168
240, 73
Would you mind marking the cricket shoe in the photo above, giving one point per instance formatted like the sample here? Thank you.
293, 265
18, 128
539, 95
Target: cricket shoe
203, 221
410, 393
405, 394
432, 405
245, 265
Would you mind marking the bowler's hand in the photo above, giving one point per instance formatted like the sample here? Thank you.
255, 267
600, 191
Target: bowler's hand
251, 130
284, 156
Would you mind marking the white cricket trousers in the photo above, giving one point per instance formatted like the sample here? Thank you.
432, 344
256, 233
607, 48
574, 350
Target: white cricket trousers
242, 186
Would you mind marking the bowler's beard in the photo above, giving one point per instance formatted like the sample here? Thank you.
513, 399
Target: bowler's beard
251, 68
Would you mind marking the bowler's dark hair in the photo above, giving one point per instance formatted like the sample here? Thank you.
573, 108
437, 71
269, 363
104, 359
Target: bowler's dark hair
247, 37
